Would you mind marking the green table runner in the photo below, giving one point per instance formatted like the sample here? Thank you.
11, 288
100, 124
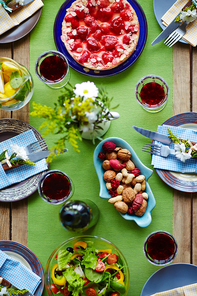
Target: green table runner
45, 232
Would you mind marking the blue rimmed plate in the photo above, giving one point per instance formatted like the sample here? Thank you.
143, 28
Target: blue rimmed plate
180, 181
170, 277
26, 257
146, 219
140, 46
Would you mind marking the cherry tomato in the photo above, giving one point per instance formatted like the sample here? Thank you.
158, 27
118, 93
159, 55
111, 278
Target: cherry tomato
112, 259
90, 292
117, 275
104, 254
65, 291
86, 281
54, 289
114, 294
100, 266
56, 256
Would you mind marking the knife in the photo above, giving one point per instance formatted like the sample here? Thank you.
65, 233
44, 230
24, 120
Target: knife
166, 32
152, 135
17, 6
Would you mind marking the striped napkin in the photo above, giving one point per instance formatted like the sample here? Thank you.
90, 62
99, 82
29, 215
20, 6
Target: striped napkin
14, 19
17, 274
191, 33
172, 163
190, 290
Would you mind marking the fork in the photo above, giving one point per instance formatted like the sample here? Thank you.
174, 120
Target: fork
160, 150
36, 146
176, 35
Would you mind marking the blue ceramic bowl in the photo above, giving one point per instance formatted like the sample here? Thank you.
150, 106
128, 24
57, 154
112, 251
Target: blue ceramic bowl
146, 219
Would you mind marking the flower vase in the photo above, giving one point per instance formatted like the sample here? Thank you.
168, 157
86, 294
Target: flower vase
99, 132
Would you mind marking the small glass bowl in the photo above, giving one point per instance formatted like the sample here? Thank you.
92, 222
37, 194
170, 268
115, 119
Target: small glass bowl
25, 92
147, 103
160, 248
55, 177
98, 243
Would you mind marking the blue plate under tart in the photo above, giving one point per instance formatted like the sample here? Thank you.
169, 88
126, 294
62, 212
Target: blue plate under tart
57, 31
179, 181
146, 219
21, 253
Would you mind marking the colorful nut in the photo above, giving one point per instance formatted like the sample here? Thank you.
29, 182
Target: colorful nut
137, 188
119, 177
129, 178
120, 189
130, 165
108, 186
109, 175
124, 154
143, 185
121, 207
128, 195
106, 165
115, 199
124, 172
111, 155
140, 178
145, 195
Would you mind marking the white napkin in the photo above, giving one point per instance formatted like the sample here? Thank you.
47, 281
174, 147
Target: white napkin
17, 274
172, 163
189, 290
23, 172
14, 19
167, 18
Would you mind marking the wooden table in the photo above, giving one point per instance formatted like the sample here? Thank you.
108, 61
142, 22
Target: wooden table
13, 216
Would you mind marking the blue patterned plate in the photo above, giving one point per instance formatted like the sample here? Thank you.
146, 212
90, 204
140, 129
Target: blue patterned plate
180, 181
140, 46
146, 219
25, 256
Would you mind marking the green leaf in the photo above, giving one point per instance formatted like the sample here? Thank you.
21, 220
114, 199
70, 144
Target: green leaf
63, 259
93, 275
21, 95
2, 155
117, 287
15, 79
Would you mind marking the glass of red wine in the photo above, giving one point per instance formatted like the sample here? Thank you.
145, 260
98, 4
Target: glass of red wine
160, 248
55, 187
151, 93
52, 68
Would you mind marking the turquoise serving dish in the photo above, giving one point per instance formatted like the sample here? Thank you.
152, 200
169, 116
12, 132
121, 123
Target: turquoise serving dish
146, 219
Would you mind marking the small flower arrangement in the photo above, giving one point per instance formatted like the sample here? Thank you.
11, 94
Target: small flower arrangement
4, 291
18, 157
188, 14
79, 109
184, 149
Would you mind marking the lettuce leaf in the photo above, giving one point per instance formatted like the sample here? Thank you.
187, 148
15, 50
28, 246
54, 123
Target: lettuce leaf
89, 260
75, 282
63, 258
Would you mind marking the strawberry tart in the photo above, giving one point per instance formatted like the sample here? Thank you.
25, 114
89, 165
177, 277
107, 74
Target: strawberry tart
100, 34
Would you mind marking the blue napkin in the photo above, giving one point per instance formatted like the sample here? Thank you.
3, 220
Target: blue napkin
172, 163
23, 172
17, 274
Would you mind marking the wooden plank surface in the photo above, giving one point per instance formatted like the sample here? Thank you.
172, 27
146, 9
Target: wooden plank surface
14, 215
182, 202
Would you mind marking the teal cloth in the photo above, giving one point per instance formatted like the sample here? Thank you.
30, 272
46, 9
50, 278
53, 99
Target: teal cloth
45, 232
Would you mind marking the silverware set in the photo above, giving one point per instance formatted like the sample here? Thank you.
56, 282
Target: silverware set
158, 149
176, 35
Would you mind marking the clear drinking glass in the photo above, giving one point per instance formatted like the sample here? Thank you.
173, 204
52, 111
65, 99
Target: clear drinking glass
55, 187
17, 97
160, 248
52, 68
151, 93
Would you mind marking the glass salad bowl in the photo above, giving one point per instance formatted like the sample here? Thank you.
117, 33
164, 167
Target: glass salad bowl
16, 85
87, 265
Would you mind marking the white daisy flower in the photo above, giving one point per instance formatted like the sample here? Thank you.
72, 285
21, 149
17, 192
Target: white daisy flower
20, 151
87, 127
180, 152
188, 16
86, 89
4, 292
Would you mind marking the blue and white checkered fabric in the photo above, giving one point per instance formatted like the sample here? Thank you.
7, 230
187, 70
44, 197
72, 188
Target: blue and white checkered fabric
17, 274
21, 173
172, 163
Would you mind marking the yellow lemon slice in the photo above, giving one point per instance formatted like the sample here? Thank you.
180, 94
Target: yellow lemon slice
3, 96
9, 91
7, 69
2, 90
10, 102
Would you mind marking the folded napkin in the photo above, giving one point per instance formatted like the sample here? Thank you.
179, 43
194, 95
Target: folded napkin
172, 163
14, 19
190, 290
191, 34
17, 274
25, 171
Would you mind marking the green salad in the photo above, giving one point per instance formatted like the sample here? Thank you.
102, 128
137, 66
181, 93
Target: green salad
83, 270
